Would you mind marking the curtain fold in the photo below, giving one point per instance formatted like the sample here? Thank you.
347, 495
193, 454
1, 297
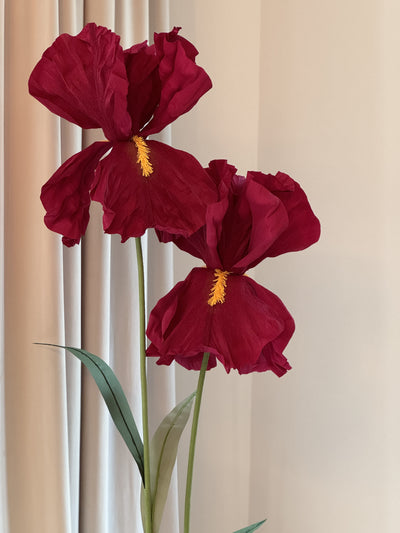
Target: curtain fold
3, 481
68, 470
35, 386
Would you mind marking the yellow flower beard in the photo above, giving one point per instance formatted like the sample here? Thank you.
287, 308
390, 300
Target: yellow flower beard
218, 289
143, 152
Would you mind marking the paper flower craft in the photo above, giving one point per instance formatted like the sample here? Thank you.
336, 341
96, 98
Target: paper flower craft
91, 81
218, 309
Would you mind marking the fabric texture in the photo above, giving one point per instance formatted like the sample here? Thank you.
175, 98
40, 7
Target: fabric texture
62, 458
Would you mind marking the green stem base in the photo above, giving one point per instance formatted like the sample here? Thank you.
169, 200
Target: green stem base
195, 423
143, 382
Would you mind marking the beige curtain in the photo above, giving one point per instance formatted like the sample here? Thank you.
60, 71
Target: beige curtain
3, 493
64, 466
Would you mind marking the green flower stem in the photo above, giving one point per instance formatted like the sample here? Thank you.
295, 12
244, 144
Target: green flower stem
192, 446
145, 417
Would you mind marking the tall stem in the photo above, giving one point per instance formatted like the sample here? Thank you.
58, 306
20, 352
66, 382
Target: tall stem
193, 436
143, 381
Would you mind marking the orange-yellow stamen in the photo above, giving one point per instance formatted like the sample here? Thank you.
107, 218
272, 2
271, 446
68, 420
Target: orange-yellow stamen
143, 152
218, 289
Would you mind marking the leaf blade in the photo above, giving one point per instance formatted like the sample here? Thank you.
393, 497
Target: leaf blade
250, 529
163, 453
115, 399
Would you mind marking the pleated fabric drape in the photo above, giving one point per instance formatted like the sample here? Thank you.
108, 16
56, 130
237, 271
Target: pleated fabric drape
64, 466
3, 490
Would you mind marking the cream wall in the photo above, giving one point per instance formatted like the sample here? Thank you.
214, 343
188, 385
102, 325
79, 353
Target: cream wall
224, 124
310, 88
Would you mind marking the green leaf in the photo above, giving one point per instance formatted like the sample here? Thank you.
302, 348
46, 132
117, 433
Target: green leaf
115, 399
163, 452
250, 529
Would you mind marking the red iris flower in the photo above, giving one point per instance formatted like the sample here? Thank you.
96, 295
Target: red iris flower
217, 309
91, 81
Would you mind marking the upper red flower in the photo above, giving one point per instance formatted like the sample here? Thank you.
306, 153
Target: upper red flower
217, 309
91, 81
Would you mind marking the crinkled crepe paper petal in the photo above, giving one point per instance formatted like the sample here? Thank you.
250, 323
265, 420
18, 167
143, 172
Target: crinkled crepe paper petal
303, 228
66, 195
204, 242
182, 81
182, 326
83, 79
173, 198
144, 84
253, 221
240, 228
257, 217
178, 328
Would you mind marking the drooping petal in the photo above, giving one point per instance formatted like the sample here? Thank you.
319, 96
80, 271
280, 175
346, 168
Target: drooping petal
253, 221
270, 359
172, 198
303, 228
83, 79
182, 81
123, 193
178, 329
261, 311
66, 195
247, 332
144, 84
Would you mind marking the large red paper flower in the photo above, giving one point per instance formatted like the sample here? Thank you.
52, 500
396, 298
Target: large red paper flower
217, 309
91, 81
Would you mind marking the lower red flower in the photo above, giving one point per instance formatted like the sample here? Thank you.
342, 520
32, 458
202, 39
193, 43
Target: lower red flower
242, 324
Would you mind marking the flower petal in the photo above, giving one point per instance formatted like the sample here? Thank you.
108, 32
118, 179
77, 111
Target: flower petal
144, 84
247, 332
257, 217
66, 195
83, 79
173, 198
182, 81
204, 242
263, 314
240, 227
304, 228
178, 328
253, 221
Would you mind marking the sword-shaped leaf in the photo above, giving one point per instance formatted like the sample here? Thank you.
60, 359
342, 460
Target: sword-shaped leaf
115, 399
163, 452
250, 529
